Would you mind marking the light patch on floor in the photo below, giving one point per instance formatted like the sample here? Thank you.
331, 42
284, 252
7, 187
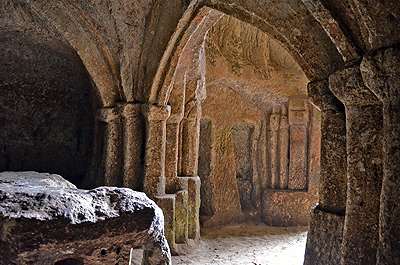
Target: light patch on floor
248, 244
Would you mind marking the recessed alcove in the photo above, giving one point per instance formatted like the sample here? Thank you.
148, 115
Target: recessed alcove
46, 107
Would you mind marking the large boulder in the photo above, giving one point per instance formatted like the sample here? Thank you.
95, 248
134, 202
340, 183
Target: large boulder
44, 219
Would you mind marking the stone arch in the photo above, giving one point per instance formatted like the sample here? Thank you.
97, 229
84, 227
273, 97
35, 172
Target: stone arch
303, 33
47, 99
69, 20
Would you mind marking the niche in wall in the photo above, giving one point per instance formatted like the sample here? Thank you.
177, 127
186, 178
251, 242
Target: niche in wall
46, 112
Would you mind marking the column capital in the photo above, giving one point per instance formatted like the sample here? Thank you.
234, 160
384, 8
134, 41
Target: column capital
348, 86
321, 96
381, 71
130, 110
108, 115
156, 113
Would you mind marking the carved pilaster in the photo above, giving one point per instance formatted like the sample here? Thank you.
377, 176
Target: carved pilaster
284, 149
273, 128
364, 166
381, 73
172, 148
154, 179
190, 140
298, 121
133, 139
111, 156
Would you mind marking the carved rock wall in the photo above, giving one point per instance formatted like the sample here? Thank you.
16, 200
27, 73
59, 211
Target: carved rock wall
264, 134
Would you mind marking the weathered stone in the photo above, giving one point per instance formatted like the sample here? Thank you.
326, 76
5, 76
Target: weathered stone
154, 179
133, 146
242, 134
284, 150
188, 157
298, 122
167, 204
364, 166
47, 120
111, 166
81, 226
333, 178
181, 217
274, 120
324, 239
225, 201
380, 73
287, 207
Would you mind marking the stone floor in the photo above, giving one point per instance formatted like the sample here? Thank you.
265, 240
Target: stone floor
247, 244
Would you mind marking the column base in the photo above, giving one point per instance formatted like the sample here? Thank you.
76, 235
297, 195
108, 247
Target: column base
324, 240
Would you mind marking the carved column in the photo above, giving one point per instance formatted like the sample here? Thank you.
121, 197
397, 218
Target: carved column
381, 72
177, 103
273, 147
107, 157
133, 139
171, 159
284, 149
324, 238
190, 140
364, 166
298, 121
154, 179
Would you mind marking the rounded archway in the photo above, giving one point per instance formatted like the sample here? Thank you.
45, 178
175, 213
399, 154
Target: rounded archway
46, 106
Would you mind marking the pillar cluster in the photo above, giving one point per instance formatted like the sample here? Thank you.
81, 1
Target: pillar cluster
356, 220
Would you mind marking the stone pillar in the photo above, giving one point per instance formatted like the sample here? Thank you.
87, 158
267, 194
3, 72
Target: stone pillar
273, 147
107, 157
154, 178
364, 166
177, 103
298, 120
381, 72
284, 149
172, 146
190, 141
133, 145
324, 238
333, 179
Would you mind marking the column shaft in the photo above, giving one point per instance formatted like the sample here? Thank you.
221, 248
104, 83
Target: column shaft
325, 236
381, 72
364, 166
154, 179
133, 146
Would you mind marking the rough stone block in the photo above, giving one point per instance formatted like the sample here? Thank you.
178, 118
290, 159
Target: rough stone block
43, 221
167, 204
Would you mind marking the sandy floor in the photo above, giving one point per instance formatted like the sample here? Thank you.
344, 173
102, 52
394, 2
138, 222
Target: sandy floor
248, 243
254, 244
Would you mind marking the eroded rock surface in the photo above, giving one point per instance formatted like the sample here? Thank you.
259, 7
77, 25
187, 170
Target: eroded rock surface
45, 220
